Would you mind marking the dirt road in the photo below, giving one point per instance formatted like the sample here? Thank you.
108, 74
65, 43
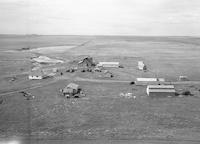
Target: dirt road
58, 78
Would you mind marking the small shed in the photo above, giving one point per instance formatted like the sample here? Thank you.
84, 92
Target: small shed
141, 65
160, 90
108, 64
87, 62
37, 75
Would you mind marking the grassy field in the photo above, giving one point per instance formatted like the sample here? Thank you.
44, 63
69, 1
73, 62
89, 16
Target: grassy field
103, 116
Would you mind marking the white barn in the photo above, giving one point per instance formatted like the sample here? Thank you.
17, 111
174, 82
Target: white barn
160, 90
108, 64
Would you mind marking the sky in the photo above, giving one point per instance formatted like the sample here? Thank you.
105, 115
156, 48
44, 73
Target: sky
100, 17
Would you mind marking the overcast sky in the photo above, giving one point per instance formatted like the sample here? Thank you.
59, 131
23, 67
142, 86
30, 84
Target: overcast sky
100, 17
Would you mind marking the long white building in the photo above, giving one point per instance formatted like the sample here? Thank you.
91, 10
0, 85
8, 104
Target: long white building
108, 64
160, 90
149, 81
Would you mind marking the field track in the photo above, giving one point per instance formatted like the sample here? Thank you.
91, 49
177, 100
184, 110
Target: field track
78, 79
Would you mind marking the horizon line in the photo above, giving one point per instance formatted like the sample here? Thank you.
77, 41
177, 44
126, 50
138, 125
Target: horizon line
101, 35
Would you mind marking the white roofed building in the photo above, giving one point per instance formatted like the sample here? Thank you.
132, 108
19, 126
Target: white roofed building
149, 81
108, 64
160, 90
37, 75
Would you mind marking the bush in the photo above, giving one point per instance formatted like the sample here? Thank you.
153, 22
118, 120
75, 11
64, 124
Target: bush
132, 83
186, 93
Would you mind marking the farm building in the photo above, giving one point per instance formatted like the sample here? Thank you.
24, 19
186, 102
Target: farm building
141, 65
108, 64
183, 78
108, 74
86, 62
72, 87
71, 90
160, 90
149, 81
37, 75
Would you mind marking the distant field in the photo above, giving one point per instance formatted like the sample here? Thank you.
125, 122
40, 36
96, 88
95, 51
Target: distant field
166, 56
102, 114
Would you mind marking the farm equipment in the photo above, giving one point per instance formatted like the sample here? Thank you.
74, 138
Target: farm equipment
27, 95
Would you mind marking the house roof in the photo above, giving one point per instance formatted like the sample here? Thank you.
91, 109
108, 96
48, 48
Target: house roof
73, 86
70, 87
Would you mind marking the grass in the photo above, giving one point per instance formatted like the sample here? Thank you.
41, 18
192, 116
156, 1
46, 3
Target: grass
103, 114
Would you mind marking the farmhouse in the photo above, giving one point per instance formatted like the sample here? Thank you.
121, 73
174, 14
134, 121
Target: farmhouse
71, 90
141, 65
149, 81
160, 90
86, 62
37, 75
108, 64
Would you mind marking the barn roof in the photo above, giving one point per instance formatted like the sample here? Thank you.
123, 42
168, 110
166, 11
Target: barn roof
88, 59
160, 86
146, 79
112, 63
162, 90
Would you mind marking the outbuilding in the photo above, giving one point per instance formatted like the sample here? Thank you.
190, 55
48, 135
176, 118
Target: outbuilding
149, 81
183, 78
108, 64
160, 90
142, 66
71, 89
87, 62
37, 75
72, 86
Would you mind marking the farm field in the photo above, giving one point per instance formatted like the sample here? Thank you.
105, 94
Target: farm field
103, 116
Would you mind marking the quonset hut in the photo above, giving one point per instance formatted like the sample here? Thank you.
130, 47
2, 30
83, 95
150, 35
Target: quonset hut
160, 90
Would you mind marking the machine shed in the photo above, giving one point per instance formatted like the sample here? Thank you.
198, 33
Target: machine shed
160, 90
